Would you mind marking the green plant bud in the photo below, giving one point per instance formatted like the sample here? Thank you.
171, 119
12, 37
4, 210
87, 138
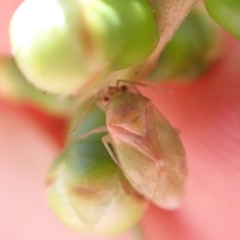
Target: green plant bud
15, 87
226, 13
193, 48
65, 46
87, 190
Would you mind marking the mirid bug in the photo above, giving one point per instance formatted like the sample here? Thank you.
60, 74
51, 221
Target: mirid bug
145, 146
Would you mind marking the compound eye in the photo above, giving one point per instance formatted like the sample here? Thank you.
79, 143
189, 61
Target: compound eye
105, 100
124, 88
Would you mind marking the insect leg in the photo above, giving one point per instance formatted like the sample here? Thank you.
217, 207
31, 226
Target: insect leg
106, 141
93, 131
84, 112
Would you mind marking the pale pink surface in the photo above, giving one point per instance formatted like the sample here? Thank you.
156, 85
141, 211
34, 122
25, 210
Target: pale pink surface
26, 151
207, 113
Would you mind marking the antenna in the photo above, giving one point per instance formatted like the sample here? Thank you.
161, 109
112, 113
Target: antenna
144, 85
84, 112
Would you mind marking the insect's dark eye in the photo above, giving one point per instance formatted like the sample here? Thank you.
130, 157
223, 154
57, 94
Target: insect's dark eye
105, 100
124, 88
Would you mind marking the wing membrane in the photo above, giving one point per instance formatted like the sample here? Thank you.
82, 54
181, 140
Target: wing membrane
154, 163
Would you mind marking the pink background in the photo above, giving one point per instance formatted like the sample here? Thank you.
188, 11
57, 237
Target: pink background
207, 113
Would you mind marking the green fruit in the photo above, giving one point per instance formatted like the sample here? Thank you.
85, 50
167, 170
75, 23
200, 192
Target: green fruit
15, 87
86, 189
194, 46
63, 46
226, 13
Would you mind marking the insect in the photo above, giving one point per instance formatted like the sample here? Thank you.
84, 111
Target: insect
144, 145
